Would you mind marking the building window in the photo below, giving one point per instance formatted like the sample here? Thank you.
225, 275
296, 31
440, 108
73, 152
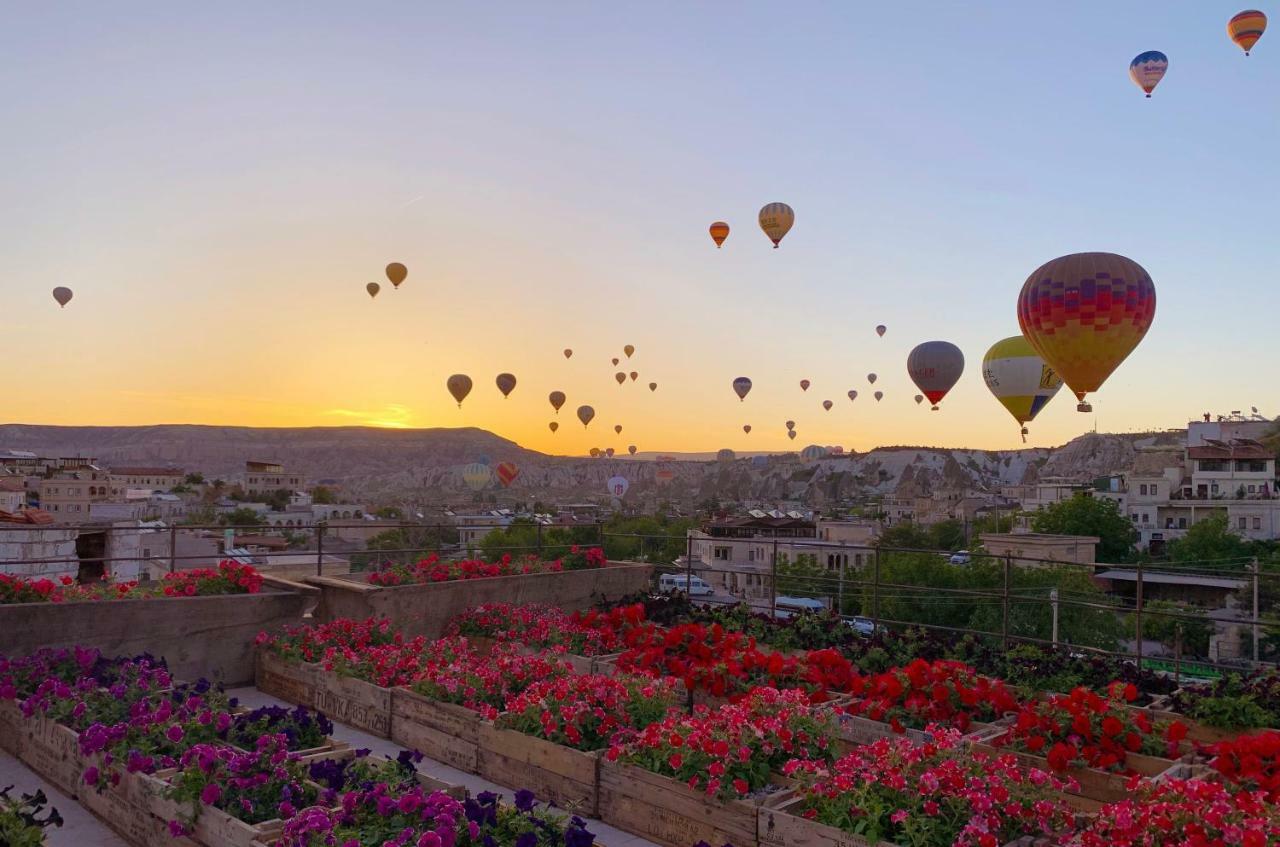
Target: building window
1142, 489
1144, 518
1213, 489
1134, 517
1241, 523
721, 553
1182, 523
1214, 465
1257, 523
1253, 489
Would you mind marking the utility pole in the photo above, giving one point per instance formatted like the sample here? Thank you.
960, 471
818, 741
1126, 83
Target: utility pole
1053, 599
1256, 633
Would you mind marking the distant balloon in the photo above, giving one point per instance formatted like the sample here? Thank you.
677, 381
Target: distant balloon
397, 273
568, 354
608, 451
792, 435
853, 394
881, 330
871, 378
628, 349
594, 452
1084, 313
557, 399
618, 485
1147, 69
585, 414
742, 387
63, 295
373, 288
1245, 29
879, 395
615, 361
653, 386
827, 404
919, 399
719, 232
746, 428
935, 368
631, 449
553, 426
507, 473
1019, 379
459, 386
813, 453
725, 456
791, 424
804, 385
776, 220
633, 375
476, 475
620, 377
506, 384
617, 429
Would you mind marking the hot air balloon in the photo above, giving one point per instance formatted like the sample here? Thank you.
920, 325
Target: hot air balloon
871, 378
1147, 69
617, 486
827, 404
594, 452
63, 295
719, 232
746, 428
615, 362
1019, 378
791, 434
620, 377
476, 475
507, 473
776, 220
813, 453
804, 385
1245, 29
459, 386
628, 349
633, 375
568, 354
742, 387
608, 452
879, 395
791, 424
397, 273
935, 368
506, 384
853, 394
631, 449
557, 399
919, 399
881, 330
653, 386
585, 414
725, 456
373, 288
553, 426
617, 429
1084, 313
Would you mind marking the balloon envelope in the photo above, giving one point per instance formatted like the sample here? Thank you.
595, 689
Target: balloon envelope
608, 451
725, 456
879, 395
742, 387
871, 378
618, 429
1084, 313
1019, 378
653, 386
620, 377
568, 354
791, 424
1147, 69
1245, 29
776, 220
476, 475
506, 384
813, 453
746, 428
853, 394
629, 349
557, 399
792, 435
631, 449
615, 362
935, 368
618, 485
595, 451
633, 375
804, 385
919, 399
827, 404
881, 330
585, 414
397, 273
62, 294
507, 473
459, 386
553, 426
373, 288
719, 232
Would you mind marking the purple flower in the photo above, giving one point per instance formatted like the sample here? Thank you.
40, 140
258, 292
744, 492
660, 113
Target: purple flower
211, 794
176, 829
524, 800
91, 776
286, 810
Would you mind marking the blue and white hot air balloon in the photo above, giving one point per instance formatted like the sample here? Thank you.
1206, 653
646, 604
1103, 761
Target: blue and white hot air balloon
1147, 69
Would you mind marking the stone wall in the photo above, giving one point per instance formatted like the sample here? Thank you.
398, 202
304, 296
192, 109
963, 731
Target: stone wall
426, 609
22, 549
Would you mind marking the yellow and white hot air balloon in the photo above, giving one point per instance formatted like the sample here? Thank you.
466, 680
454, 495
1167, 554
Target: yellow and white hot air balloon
1019, 378
776, 220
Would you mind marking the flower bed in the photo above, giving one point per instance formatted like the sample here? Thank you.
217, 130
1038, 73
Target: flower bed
1232, 706
933, 795
1251, 762
227, 578
434, 569
581, 638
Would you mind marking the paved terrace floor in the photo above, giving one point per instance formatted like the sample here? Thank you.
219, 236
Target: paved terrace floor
84, 830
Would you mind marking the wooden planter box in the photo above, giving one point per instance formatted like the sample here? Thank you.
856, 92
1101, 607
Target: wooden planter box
669, 812
53, 751
213, 827
554, 773
11, 721
430, 783
1197, 732
354, 702
484, 645
441, 731
293, 682
126, 809
856, 731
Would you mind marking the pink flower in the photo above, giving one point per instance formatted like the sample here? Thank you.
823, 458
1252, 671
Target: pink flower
174, 733
211, 794
899, 816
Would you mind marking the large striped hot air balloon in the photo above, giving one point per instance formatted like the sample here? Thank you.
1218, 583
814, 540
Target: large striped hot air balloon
813, 453
1147, 69
507, 473
1084, 313
719, 232
935, 368
1246, 28
476, 475
776, 220
1019, 379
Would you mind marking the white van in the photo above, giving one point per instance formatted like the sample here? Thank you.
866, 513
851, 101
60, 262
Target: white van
787, 607
691, 585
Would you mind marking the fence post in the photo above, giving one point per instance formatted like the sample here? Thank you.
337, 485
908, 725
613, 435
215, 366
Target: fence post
173, 547
773, 582
1256, 632
539, 538
320, 549
1137, 616
875, 589
1004, 601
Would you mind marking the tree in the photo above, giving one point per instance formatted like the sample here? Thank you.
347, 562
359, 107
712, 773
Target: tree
1080, 621
657, 538
278, 500
389, 513
947, 535
1158, 626
1084, 515
905, 536
403, 545
194, 478
241, 517
323, 495
1210, 540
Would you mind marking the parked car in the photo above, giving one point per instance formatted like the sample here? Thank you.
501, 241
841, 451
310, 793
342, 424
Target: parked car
960, 557
692, 585
787, 607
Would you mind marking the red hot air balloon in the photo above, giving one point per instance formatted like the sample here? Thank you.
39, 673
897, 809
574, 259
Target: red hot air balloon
507, 473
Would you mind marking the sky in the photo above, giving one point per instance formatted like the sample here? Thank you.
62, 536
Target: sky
218, 184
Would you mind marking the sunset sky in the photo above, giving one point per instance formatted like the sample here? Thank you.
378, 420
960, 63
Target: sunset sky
218, 183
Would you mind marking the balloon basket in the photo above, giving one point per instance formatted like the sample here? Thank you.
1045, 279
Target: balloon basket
1084, 407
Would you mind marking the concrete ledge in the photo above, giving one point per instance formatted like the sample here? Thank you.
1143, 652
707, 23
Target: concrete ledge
426, 609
